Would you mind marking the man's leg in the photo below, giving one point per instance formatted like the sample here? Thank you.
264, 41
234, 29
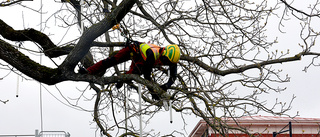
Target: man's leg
101, 66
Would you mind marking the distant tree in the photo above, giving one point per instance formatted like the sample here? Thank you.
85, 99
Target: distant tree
226, 61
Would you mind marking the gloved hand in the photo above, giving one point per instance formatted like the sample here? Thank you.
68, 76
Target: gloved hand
119, 85
155, 96
82, 70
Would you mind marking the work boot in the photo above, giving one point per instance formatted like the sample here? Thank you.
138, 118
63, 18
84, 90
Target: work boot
83, 70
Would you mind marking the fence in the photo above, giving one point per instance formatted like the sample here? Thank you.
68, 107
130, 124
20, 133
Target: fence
42, 134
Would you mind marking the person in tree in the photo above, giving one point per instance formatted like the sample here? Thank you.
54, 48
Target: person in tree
144, 56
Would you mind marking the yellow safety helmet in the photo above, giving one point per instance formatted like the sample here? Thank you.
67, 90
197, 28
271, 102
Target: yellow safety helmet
172, 52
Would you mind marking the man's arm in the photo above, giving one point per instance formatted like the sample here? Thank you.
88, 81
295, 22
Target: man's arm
173, 76
147, 66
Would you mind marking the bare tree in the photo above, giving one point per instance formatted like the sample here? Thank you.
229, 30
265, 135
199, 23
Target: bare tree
226, 61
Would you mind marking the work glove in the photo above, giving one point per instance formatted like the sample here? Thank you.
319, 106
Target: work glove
165, 87
155, 96
82, 70
119, 85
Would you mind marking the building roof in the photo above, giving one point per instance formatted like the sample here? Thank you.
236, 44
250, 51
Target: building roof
275, 120
268, 121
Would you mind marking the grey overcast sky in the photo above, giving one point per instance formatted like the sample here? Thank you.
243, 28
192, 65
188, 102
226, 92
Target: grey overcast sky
21, 115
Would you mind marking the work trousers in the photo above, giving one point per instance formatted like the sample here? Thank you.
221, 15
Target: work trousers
121, 56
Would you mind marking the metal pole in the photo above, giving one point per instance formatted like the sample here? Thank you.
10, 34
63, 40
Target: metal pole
290, 129
37, 133
274, 134
170, 103
17, 91
140, 113
81, 17
126, 102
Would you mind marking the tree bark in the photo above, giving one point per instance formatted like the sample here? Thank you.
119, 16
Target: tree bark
48, 47
27, 66
95, 31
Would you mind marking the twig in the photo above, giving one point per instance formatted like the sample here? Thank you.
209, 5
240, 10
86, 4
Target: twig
4, 102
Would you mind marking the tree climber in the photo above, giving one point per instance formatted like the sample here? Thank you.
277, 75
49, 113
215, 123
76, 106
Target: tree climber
144, 57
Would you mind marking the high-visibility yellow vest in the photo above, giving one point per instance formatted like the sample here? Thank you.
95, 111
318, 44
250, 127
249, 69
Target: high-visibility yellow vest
155, 49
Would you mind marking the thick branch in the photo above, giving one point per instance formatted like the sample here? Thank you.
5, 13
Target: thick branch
52, 76
105, 44
95, 31
49, 48
27, 66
